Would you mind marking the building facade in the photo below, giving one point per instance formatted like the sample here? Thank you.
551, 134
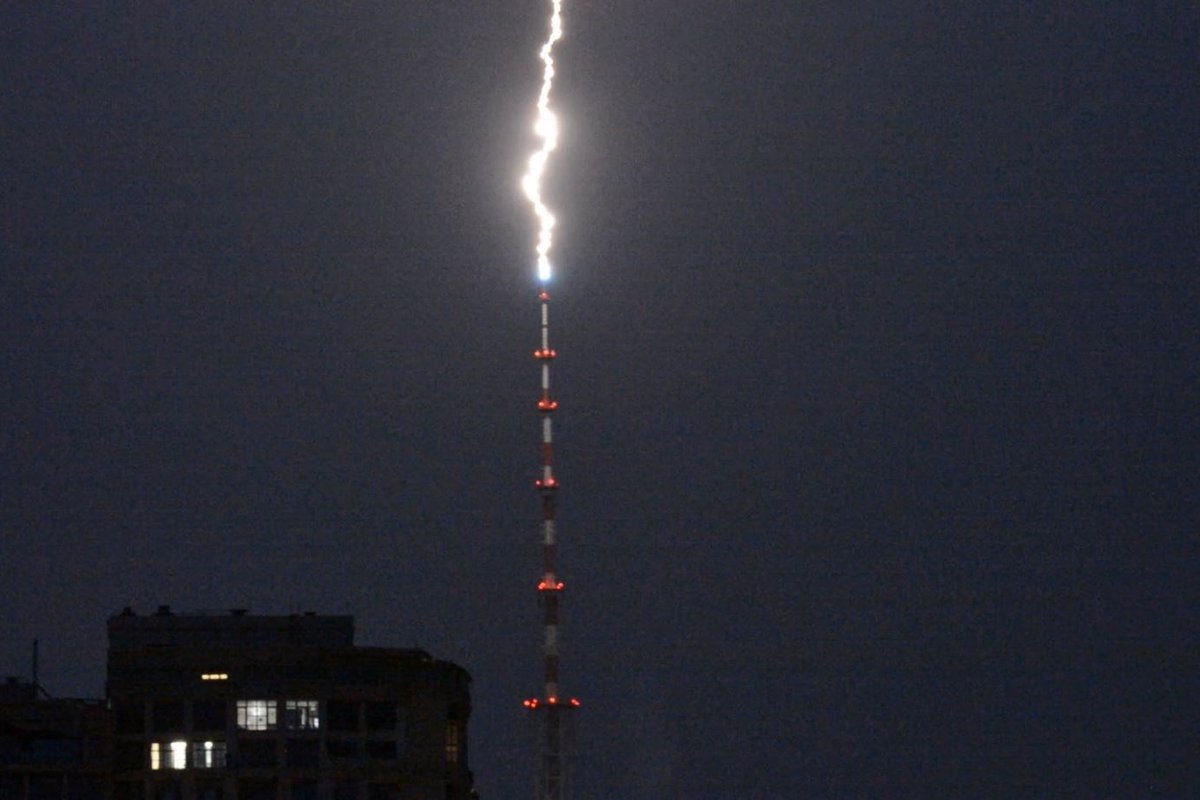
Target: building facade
52, 749
243, 707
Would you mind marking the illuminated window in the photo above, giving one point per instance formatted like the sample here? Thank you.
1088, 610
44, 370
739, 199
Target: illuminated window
257, 715
214, 676
452, 742
168, 755
208, 755
301, 715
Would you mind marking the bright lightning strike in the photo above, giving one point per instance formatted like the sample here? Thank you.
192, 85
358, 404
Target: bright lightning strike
546, 128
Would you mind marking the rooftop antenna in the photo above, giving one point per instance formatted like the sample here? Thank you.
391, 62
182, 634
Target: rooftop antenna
37, 684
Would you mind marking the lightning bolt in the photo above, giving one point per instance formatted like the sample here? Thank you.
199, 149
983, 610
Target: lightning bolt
546, 128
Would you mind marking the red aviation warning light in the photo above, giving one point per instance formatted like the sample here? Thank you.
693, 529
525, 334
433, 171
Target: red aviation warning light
544, 354
533, 702
546, 404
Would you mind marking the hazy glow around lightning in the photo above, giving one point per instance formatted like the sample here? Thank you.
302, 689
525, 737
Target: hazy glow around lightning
546, 128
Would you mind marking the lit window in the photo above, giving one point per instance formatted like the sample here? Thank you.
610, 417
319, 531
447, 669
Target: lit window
301, 715
257, 715
208, 755
214, 676
168, 755
178, 754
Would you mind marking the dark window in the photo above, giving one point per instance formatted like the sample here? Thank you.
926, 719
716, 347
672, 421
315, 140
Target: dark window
303, 753
80, 787
381, 750
256, 753
209, 791
11, 751
345, 790
383, 791
341, 748
14, 786
256, 790
381, 716
167, 791
342, 716
304, 790
208, 715
167, 716
45, 787
130, 717
129, 756
55, 751
121, 791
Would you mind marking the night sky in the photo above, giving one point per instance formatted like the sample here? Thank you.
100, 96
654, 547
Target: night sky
878, 370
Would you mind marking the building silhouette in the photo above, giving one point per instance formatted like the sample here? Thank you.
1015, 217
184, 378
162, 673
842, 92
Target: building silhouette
52, 749
234, 706
242, 707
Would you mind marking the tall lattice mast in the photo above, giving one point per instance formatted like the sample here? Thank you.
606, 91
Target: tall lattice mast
552, 711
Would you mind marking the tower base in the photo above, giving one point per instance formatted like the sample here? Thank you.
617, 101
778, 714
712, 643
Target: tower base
554, 746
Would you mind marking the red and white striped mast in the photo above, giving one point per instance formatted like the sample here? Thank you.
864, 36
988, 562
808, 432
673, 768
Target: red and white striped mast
549, 587
551, 709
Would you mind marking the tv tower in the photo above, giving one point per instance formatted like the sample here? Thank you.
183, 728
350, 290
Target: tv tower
551, 709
